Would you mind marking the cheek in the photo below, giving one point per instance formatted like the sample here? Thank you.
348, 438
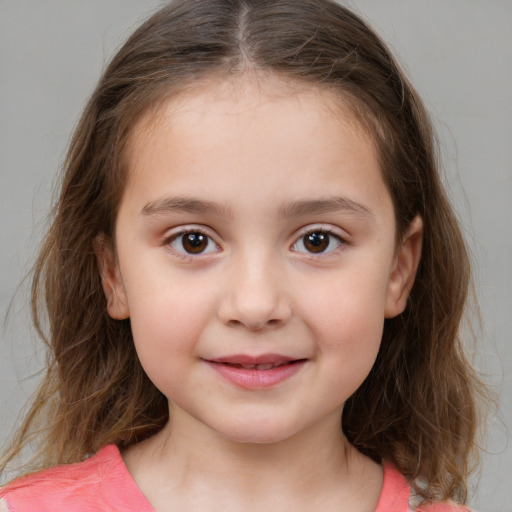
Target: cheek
352, 338
167, 318
346, 317
349, 301
351, 342
170, 302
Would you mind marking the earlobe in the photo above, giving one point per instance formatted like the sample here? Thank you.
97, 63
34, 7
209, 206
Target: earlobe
111, 281
404, 269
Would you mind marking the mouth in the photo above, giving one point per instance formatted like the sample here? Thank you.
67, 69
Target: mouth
268, 366
259, 372
262, 362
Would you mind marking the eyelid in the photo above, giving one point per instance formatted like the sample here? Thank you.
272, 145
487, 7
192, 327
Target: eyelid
329, 230
183, 230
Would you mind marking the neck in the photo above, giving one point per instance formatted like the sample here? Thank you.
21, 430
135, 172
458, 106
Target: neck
189, 457
202, 450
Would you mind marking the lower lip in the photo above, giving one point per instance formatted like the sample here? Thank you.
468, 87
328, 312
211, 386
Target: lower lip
257, 379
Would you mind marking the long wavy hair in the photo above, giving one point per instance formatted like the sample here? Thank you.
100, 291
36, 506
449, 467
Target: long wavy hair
417, 407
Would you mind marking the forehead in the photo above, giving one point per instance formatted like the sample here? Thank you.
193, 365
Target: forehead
244, 96
270, 138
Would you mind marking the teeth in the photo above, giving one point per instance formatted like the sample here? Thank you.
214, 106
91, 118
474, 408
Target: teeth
267, 366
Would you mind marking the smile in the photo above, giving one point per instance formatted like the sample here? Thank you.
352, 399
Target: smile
255, 373
268, 366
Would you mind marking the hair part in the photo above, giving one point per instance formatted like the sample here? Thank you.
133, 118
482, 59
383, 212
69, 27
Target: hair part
417, 407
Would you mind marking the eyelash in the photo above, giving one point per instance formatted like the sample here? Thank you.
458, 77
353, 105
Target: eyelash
179, 237
322, 235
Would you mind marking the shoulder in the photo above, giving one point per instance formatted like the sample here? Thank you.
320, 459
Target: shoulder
97, 484
397, 496
395, 492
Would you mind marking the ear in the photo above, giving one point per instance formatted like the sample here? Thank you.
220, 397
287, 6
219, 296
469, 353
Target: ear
404, 269
113, 287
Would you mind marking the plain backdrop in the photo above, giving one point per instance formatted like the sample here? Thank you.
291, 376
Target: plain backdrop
458, 53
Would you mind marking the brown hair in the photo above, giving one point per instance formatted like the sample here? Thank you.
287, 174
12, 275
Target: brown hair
417, 407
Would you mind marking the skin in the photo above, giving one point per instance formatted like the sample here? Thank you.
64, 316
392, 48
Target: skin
251, 157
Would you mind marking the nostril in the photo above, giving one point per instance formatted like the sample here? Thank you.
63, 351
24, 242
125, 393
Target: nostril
254, 312
255, 326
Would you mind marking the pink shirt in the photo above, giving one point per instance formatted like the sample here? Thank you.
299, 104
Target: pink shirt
102, 483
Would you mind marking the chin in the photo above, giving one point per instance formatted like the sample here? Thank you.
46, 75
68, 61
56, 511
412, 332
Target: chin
257, 438
257, 432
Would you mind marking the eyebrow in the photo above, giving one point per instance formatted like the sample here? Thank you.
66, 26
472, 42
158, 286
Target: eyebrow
185, 205
328, 205
171, 205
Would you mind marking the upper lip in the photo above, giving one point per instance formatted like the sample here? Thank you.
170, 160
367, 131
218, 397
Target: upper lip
245, 359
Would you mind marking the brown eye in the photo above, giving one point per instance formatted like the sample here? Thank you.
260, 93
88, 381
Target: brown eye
317, 242
193, 242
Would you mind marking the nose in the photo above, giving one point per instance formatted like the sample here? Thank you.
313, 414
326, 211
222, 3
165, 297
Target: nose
255, 296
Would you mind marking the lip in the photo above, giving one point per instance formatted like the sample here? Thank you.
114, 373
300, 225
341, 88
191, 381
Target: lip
234, 369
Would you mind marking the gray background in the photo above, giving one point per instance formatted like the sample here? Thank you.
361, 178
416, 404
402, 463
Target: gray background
458, 53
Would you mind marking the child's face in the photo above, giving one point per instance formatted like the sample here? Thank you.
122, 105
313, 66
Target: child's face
255, 228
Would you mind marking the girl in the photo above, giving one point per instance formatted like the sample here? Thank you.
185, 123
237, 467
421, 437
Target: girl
253, 280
